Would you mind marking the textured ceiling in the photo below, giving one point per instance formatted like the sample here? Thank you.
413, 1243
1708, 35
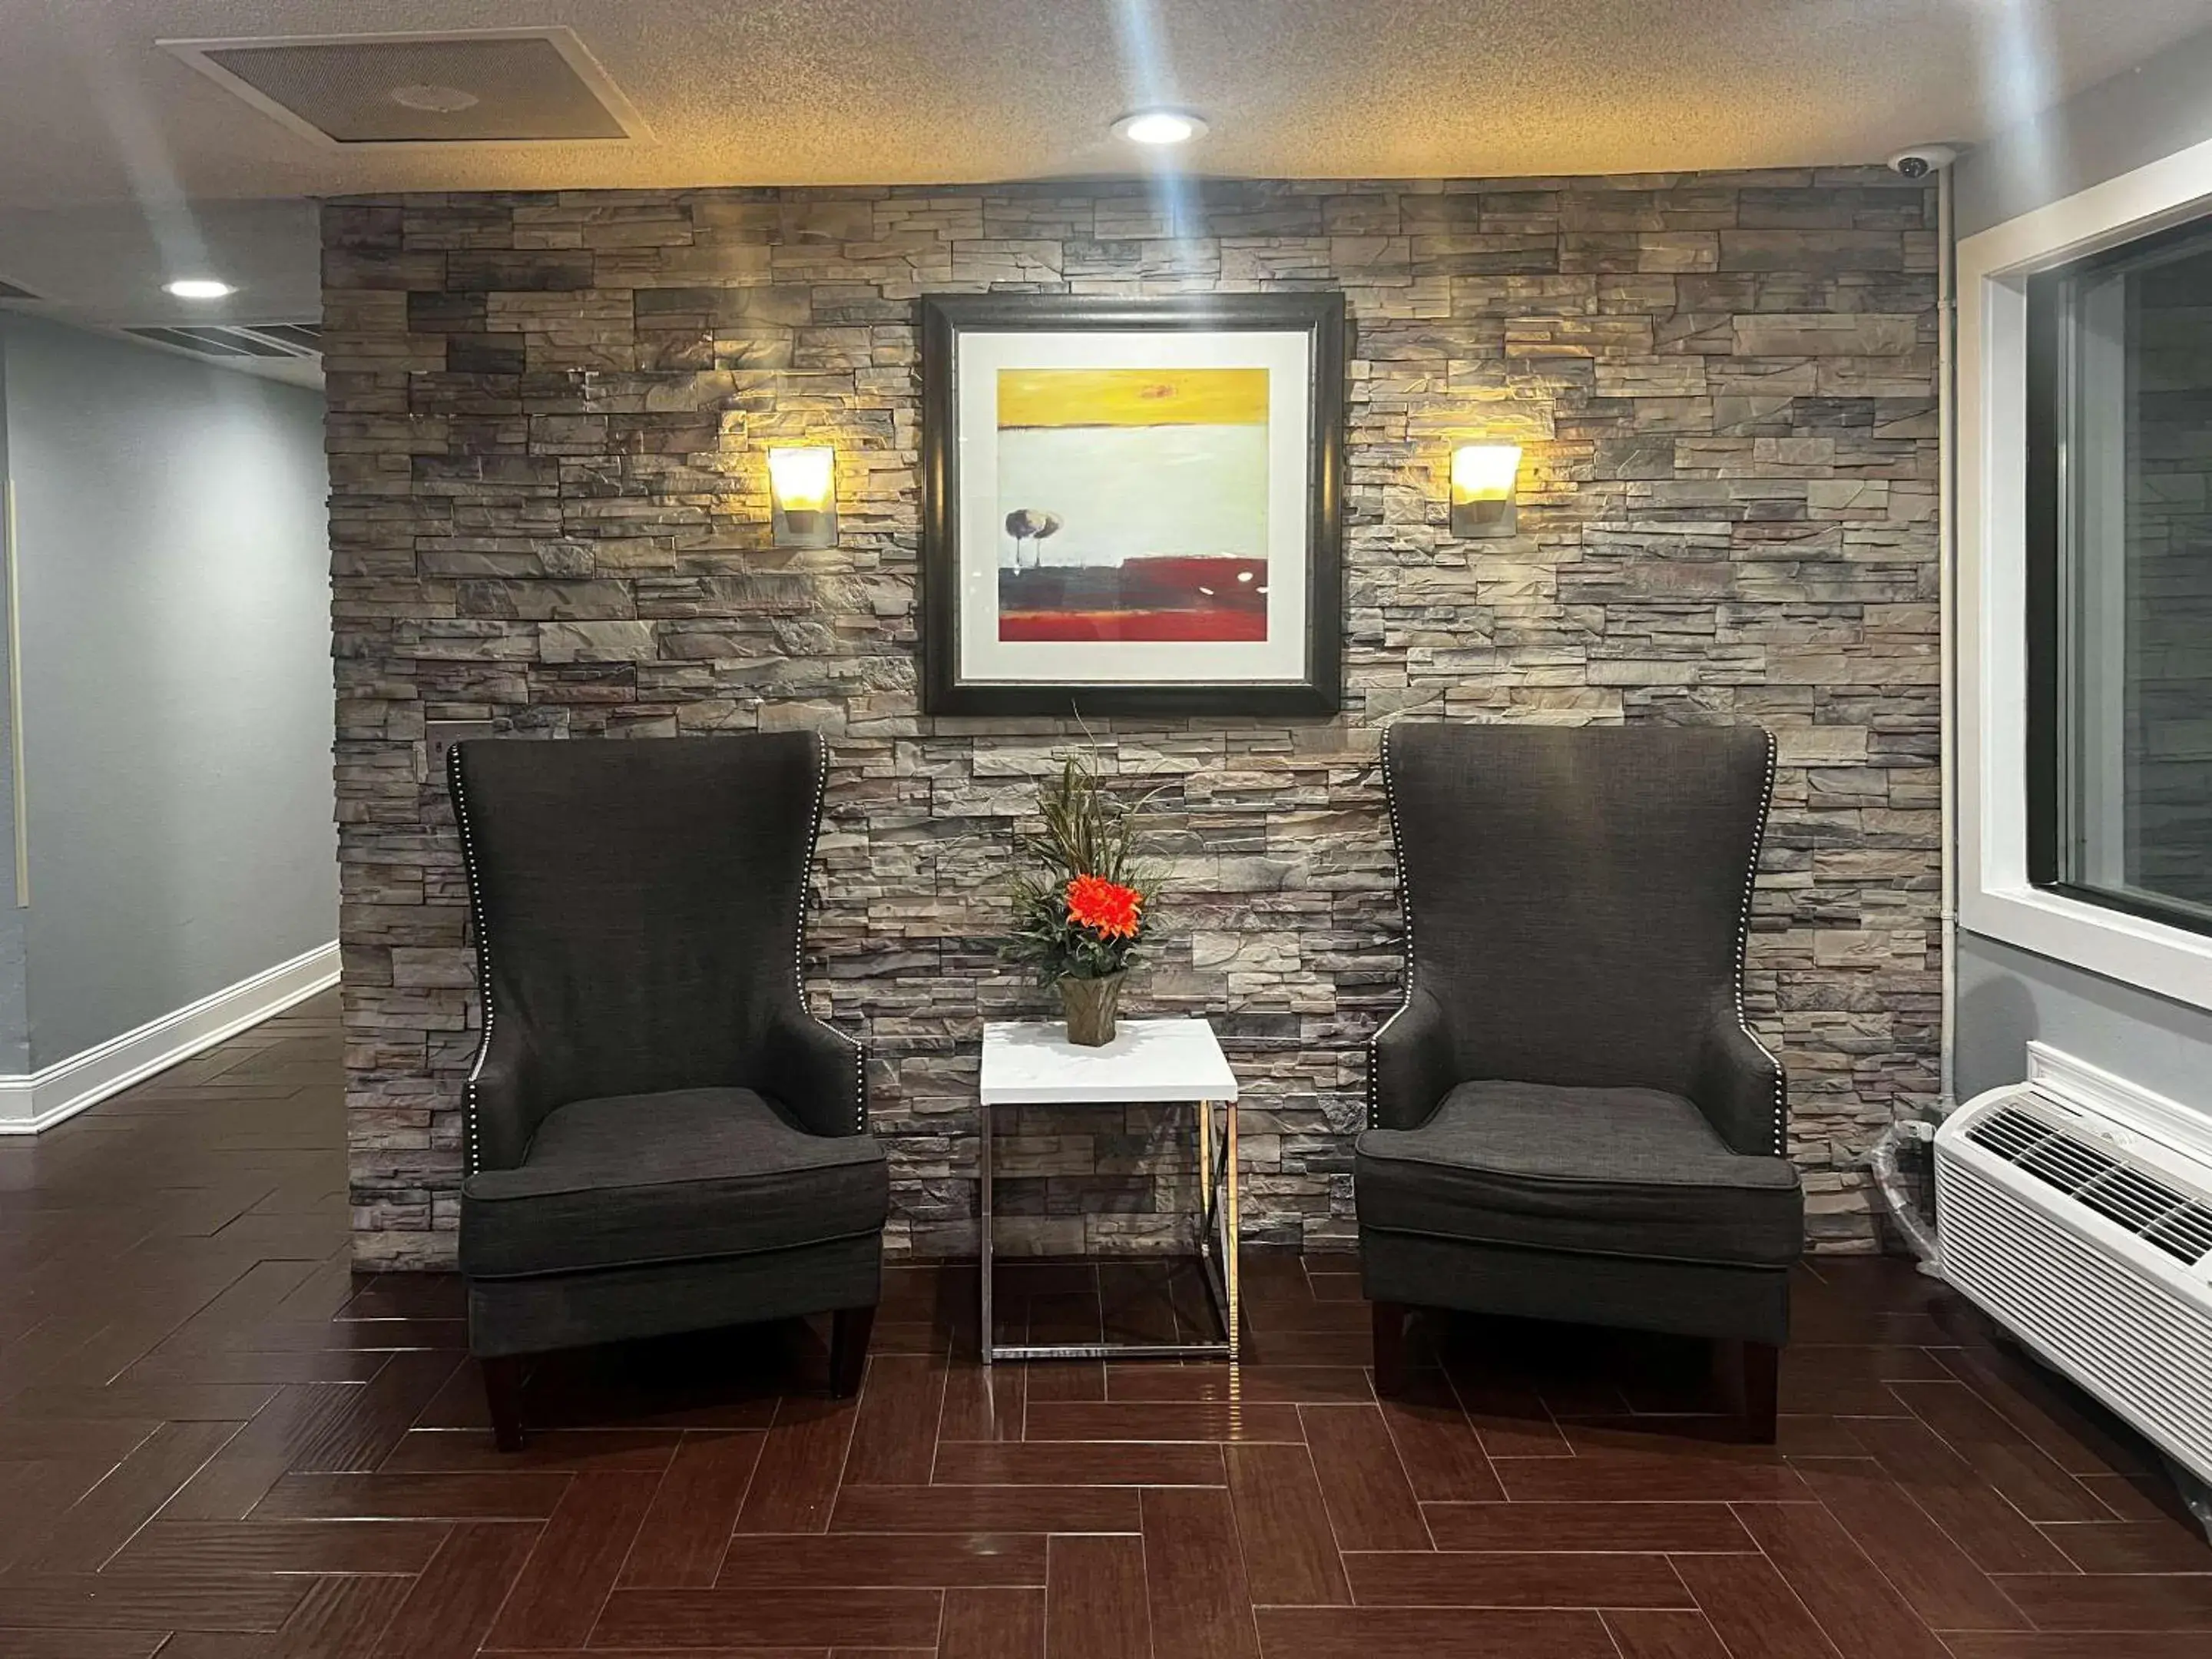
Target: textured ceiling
120, 165
108, 260
844, 91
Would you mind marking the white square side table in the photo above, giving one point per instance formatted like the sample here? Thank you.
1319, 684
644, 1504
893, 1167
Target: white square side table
1149, 1061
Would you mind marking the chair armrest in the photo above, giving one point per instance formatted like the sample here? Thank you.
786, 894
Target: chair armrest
1410, 1065
817, 1073
506, 1099
1740, 1088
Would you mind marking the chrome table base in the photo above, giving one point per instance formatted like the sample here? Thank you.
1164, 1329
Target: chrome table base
1217, 1247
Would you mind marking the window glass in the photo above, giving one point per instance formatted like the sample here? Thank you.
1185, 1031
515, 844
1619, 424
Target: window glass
2121, 530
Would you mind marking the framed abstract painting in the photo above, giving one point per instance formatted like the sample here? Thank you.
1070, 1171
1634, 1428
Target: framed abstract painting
1132, 507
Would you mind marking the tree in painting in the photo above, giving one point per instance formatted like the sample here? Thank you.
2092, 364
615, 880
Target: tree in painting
1026, 525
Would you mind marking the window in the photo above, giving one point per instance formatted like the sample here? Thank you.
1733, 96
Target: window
2119, 578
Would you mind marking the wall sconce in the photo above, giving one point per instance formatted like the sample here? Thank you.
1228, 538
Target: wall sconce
803, 495
1482, 477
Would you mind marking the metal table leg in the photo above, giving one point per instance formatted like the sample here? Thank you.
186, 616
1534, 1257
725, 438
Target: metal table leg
1230, 1244
1205, 1172
1216, 1245
983, 1158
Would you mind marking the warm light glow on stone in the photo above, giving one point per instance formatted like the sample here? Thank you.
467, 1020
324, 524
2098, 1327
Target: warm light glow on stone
805, 480
1485, 472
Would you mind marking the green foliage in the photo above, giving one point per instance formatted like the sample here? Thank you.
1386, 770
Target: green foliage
1087, 832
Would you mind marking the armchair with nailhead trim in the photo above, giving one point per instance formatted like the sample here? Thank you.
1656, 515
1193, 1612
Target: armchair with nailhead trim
1568, 1118
660, 1137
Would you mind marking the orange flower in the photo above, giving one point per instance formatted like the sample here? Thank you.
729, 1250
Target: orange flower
1105, 906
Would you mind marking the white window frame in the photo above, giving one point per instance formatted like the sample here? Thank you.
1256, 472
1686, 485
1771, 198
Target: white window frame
1996, 897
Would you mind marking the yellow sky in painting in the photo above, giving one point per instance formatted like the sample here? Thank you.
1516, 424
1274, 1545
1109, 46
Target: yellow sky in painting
1131, 396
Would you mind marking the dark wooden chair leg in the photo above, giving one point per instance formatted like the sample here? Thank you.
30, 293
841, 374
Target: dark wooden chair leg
502, 1383
848, 1349
1754, 1378
1390, 1347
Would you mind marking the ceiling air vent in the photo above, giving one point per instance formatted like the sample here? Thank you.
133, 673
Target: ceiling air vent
2163, 1216
292, 340
468, 86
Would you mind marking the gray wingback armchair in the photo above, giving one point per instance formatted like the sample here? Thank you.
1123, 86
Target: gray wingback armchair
660, 1136
1568, 1117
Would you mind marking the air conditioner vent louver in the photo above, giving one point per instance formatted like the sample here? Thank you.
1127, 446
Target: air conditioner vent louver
231, 341
2140, 1348
2065, 1162
2160, 1214
2185, 1235
2075, 1208
2132, 1200
2007, 1134
14, 291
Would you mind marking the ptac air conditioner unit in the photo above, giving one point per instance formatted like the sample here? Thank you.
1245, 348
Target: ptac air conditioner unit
2076, 1209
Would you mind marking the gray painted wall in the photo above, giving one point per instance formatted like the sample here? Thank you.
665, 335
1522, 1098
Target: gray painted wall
2114, 127
2008, 995
14, 1008
177, 701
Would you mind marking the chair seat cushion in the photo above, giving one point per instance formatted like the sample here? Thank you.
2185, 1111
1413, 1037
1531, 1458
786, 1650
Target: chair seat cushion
698, 1173
1632, 1172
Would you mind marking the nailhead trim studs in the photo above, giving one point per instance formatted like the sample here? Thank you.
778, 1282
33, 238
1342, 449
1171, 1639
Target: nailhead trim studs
1406, 920
798, 937
1743, 946
454, 783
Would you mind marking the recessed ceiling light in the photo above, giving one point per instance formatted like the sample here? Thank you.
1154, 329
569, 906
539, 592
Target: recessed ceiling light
439, 100
199, 287
1160, 126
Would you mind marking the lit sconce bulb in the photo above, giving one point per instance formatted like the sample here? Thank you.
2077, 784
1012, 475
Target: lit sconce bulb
1482, 480
803, 491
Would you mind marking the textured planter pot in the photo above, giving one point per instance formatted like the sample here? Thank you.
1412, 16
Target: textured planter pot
1090, 1005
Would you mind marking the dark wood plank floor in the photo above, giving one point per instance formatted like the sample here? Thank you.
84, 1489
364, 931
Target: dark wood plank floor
215, 1440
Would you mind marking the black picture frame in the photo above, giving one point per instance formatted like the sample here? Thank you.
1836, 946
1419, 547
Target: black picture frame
1319, 690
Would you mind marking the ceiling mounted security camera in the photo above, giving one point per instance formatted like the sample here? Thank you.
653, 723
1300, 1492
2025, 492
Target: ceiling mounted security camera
1921, 159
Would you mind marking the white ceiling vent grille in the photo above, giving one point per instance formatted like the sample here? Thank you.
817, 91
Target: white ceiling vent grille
231, 341
472, 87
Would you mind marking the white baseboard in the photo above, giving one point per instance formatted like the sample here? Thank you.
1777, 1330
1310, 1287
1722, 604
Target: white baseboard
41, 1099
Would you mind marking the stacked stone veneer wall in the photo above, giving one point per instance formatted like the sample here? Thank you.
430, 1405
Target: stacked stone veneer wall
548, 420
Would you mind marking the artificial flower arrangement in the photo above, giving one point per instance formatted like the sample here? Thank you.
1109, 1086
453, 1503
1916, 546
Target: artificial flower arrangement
1079, 919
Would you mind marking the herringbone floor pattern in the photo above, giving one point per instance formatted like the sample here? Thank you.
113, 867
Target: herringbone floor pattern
216, 1441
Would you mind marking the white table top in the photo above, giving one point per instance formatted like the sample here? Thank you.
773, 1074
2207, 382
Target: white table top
1032, 1063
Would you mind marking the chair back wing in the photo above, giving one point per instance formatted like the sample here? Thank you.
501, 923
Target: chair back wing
1576, 897
638, 902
